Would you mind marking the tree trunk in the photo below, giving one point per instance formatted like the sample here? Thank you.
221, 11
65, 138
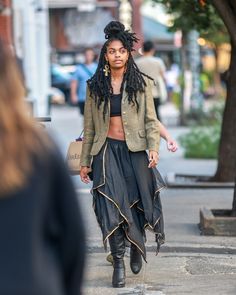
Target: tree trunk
227, 148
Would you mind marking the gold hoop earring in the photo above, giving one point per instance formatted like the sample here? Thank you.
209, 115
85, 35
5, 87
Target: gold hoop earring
106, 69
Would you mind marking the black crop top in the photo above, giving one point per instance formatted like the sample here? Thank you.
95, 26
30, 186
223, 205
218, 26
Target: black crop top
115, 104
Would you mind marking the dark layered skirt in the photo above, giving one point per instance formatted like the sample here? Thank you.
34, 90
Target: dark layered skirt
127, 193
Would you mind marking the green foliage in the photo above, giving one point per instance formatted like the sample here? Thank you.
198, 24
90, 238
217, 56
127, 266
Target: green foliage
210, 76
191, 15
214, 114
203, 141
176, 99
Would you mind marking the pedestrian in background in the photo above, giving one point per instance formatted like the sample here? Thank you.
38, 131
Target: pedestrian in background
120, 124
172, 80
83, 72
42, 244
155, 68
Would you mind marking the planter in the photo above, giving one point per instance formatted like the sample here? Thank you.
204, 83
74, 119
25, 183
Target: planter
217, 222
174, 180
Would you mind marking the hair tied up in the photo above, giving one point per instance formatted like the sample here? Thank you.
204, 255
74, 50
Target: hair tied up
116, 30
113, 29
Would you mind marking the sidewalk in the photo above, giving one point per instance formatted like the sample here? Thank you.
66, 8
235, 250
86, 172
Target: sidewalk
188, 262
176, 274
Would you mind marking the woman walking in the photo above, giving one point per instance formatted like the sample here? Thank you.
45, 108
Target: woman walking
120, 124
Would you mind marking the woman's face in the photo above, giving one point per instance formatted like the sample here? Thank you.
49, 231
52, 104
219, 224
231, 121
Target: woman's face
117, 56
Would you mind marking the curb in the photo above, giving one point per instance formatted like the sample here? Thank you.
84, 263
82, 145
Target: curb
175, 249
175, 180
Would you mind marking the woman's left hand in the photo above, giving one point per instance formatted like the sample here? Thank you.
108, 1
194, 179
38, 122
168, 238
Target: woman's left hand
172, 145
153, 159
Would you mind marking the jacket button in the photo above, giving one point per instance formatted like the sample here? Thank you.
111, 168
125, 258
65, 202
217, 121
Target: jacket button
125, 123
124, 112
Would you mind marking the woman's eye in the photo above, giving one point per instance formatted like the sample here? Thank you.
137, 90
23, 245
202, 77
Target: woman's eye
111, 51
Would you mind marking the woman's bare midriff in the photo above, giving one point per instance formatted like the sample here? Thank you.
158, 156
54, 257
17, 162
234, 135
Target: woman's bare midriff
116, 129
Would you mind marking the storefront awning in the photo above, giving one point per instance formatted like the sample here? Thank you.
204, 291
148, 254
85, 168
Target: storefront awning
154, 30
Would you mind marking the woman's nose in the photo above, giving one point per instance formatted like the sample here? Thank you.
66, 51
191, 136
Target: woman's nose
117, 53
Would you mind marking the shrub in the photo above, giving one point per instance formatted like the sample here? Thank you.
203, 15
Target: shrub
201, 142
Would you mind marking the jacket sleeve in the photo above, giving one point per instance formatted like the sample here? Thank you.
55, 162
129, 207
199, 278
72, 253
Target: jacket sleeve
89, 132
70, 231
152, 125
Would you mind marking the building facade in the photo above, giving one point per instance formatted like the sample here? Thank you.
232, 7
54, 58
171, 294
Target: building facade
6, 21
75, 24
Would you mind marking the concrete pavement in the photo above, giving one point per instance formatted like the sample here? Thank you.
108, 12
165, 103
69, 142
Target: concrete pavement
171, 273
188, 263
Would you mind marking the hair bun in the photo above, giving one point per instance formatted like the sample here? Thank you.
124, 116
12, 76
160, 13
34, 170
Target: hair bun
113, 29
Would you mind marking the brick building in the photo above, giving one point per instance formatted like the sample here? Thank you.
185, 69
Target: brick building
6, 21
73, 27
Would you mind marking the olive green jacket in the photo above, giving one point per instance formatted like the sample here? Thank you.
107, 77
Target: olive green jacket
142, 131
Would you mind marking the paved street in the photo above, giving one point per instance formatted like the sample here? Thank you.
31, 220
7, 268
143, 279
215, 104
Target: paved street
188, 263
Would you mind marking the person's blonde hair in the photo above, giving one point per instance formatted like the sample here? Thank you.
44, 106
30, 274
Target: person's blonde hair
20, 138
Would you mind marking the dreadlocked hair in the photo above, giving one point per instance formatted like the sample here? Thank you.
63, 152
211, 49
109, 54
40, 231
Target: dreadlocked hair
100, 85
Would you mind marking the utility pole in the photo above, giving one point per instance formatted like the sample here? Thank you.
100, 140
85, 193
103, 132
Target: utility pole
32, 43
194, 63
43, 56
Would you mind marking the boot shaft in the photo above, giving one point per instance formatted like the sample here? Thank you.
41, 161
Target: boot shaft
117, 243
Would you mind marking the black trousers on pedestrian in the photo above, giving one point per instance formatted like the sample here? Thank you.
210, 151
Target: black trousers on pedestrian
81, 107
157, 103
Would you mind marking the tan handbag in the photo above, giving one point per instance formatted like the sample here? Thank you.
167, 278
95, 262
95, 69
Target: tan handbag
73, 155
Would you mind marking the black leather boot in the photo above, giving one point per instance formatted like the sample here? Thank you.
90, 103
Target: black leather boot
135, 259
117, 245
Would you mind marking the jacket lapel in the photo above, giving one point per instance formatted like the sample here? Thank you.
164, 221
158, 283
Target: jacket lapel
124, 93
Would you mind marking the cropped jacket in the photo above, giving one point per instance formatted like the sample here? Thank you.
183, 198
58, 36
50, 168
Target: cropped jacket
141, 128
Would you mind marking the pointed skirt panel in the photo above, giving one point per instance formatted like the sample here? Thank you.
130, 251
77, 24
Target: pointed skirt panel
127, 193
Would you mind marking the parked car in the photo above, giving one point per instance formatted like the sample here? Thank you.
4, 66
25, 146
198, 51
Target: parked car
61, 79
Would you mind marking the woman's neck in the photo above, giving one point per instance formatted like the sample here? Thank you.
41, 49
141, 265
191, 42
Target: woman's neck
117, 74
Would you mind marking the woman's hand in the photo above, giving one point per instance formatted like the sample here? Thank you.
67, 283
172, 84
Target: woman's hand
172, 145
153, 159
84, 174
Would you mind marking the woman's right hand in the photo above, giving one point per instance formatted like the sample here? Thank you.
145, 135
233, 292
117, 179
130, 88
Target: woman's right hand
84, 174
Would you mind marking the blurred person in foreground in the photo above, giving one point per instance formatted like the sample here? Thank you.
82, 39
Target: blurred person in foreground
155, 68
42, 236
84, 71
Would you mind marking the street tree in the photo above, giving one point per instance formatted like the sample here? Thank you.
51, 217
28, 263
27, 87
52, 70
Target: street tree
215, 20
208, 17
